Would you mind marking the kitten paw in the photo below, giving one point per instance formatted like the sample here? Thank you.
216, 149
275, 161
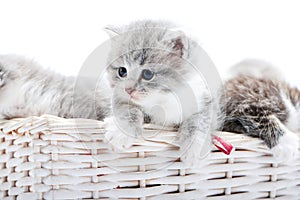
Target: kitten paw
287, 147
193, 155
116, 137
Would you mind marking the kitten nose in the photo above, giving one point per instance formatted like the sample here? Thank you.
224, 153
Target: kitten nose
129, 90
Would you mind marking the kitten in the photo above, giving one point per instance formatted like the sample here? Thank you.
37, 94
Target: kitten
153, 83
258, 102
27, 89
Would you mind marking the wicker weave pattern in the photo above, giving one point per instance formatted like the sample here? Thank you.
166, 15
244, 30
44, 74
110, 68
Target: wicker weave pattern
53, 158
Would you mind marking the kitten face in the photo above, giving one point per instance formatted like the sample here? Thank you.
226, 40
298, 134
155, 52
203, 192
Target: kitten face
148, 63
143, 83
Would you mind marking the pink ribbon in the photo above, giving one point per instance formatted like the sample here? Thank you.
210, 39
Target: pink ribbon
222, 145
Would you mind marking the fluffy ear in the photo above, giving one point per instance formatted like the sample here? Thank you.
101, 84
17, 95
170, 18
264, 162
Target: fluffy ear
112, 31
178, 43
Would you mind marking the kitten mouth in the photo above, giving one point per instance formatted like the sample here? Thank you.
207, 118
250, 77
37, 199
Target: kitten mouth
134, 97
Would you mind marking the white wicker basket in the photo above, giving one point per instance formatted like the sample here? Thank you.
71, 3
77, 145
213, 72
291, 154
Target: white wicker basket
53, 158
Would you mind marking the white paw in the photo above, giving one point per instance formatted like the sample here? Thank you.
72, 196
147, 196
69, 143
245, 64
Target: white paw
287, 147
115, 136
193, 155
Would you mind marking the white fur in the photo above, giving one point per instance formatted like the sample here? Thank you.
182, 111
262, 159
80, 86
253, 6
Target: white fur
195, 150
115, 136
288, 145
168, 108
292, 123
254, 67
164, 109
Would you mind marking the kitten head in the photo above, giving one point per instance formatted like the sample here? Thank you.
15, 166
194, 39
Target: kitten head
147, 60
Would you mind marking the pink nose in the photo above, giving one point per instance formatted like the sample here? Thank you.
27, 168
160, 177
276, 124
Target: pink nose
129, 90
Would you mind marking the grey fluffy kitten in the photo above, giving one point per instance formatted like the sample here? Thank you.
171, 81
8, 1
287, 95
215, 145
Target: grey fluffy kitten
152, 82
27, 89
260, 103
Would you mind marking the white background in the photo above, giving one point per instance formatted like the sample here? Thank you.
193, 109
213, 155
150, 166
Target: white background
61, 34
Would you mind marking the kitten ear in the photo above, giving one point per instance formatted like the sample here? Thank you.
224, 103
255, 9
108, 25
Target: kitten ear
112, 31
178, 43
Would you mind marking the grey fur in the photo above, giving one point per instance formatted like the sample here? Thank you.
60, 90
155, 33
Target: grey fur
250, 105
27, 89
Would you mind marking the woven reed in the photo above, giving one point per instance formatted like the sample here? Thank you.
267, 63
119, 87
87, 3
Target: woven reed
53, 158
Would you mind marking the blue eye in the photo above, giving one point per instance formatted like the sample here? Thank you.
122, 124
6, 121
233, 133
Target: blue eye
147, 74
122, 71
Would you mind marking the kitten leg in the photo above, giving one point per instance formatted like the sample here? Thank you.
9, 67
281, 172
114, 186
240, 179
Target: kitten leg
195, 139
282, 142
115, 136
124, 127
287, 145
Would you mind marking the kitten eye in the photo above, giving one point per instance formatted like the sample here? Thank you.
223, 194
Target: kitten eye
147, 74
122, 71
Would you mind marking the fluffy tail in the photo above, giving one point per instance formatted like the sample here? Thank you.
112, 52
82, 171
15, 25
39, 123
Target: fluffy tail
255, 68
